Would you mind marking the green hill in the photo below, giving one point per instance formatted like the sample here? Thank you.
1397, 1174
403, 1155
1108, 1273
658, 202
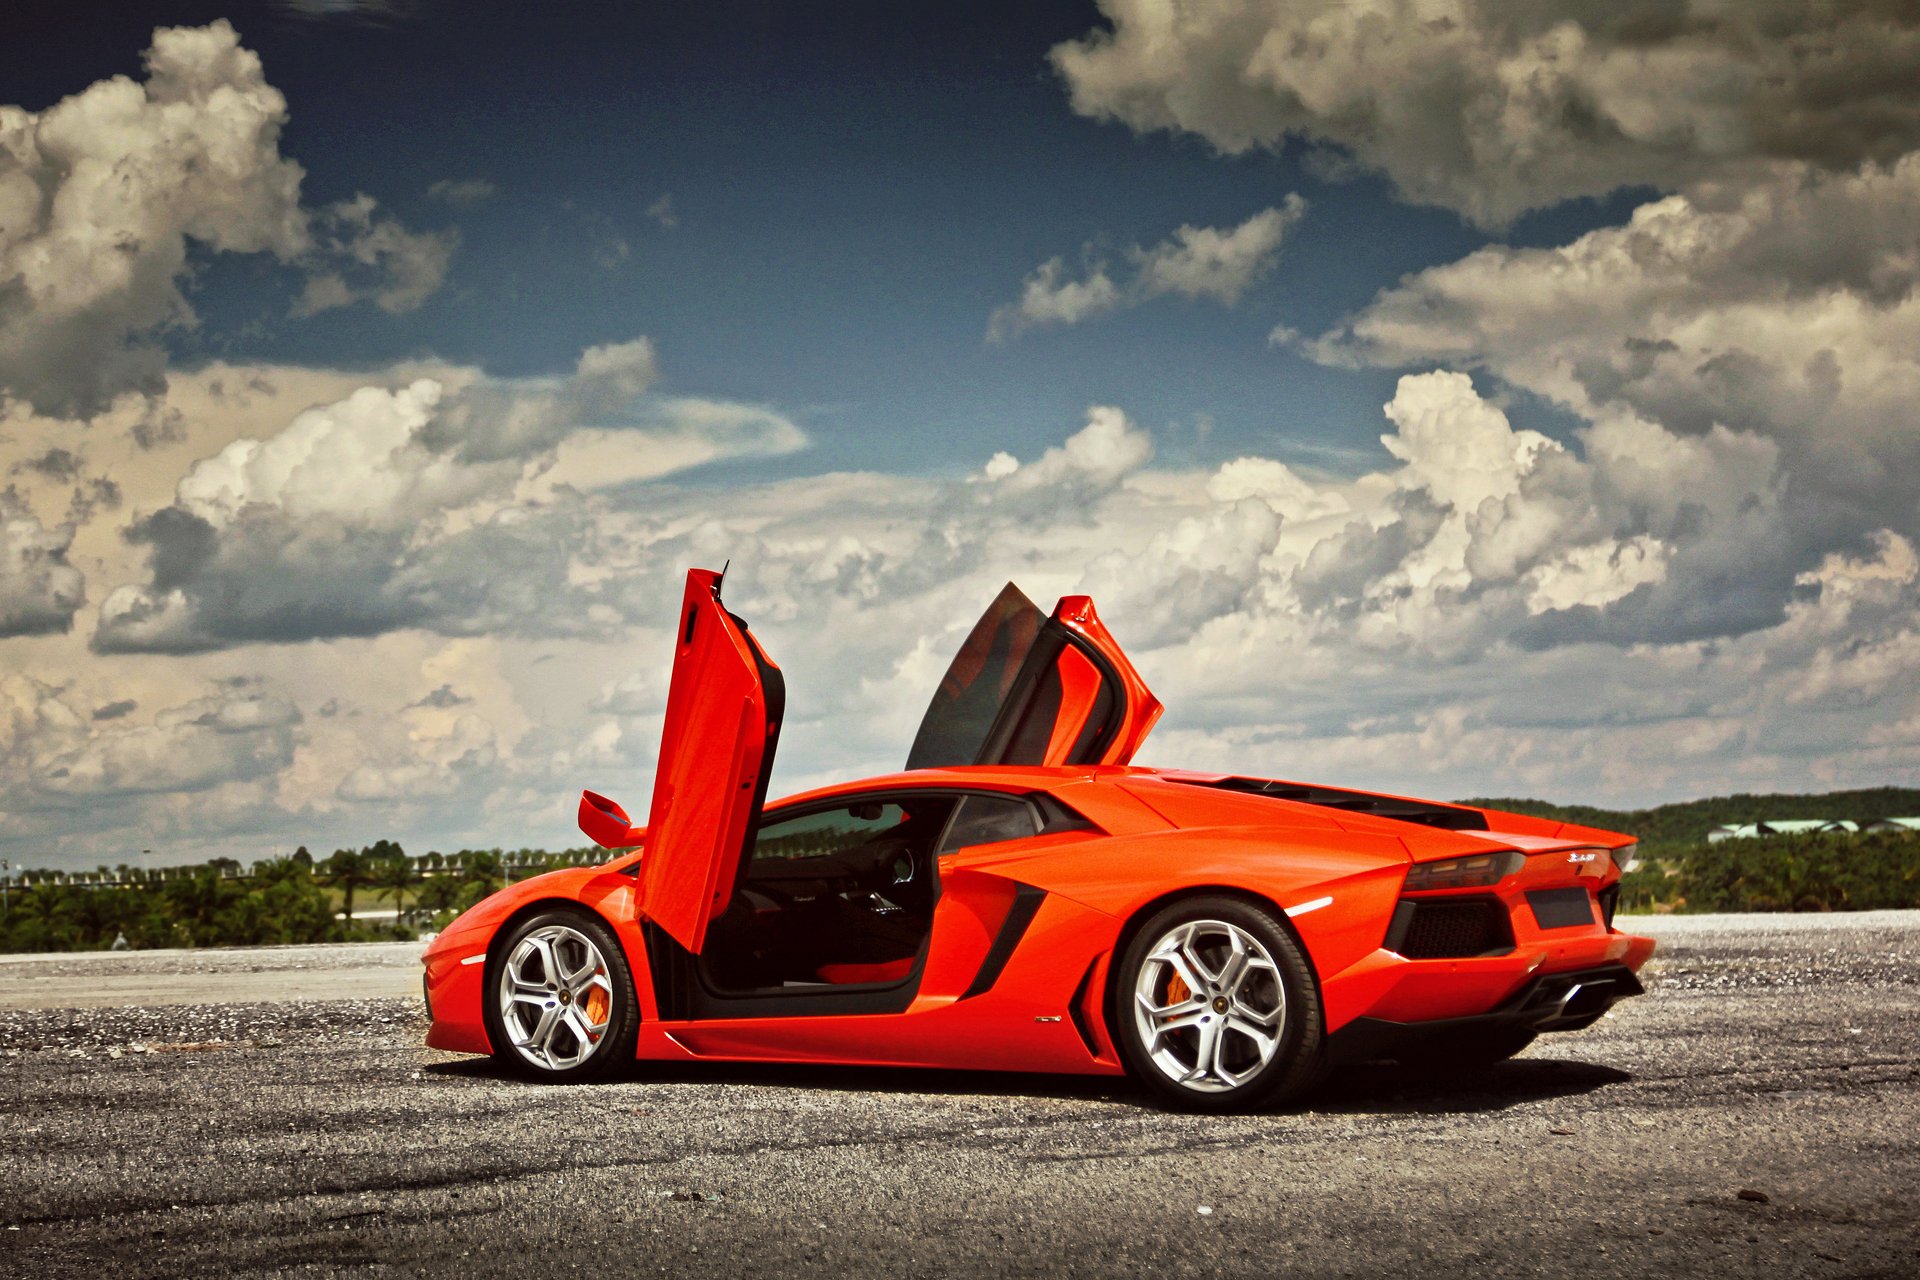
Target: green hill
1687, 822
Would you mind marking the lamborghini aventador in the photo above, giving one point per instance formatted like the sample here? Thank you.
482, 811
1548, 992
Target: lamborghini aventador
1020, 897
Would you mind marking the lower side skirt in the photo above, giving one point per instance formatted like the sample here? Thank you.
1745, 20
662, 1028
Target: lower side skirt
1555, 1002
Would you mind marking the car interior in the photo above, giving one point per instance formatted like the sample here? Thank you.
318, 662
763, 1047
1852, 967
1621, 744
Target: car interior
844, 895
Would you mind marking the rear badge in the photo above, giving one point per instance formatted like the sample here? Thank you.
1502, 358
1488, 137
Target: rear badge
1581, 857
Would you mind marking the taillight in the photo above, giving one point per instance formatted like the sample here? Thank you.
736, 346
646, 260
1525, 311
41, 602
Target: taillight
1476, 872
1627, 857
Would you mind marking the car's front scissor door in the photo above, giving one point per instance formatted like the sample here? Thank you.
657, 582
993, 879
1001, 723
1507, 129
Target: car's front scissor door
723, 720
1026, 689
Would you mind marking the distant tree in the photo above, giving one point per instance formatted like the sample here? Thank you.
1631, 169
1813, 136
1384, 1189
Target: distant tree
302, 857
347, 870
482, 869
439, 892
396, 874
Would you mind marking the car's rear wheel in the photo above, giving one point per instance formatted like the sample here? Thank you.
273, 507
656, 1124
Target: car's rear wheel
560, 1001
1215, 1007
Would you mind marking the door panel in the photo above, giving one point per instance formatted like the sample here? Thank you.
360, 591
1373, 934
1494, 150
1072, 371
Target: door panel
1030, 690
723, 721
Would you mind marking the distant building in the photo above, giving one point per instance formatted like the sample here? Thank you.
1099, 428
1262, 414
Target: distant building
1805, 826
1911, 825
1797, 827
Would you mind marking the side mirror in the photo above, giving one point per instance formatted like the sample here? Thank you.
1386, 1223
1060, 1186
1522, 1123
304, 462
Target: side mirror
606, 823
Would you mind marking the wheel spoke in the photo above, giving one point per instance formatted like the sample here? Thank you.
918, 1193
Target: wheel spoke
585, 1032
1234, 967
1268, 1021
1218, 1057
541, 1036
1192, 1004
1208, 979
549, 962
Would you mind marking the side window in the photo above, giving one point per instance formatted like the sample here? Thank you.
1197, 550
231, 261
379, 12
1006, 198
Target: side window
825, 832
989, 820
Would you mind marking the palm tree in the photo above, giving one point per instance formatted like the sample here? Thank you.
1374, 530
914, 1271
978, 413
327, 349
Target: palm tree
438, 893
396, 874
347, 870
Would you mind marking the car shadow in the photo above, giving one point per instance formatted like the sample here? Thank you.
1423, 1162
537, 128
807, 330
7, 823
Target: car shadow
838, 1079
1386, 1088
1383, 1088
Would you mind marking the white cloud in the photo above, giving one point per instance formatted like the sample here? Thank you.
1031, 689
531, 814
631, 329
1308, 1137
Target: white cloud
456, 504
1471, 615
1215, 263
1777, 327
360, 256
101, 193
1048, 297
39, 589
233, 735
1494, 109
1092, 460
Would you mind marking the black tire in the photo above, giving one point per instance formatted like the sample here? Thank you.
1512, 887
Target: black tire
561, 1062
1280, 986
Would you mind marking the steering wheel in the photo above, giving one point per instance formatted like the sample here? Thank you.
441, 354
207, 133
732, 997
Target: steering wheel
889, 863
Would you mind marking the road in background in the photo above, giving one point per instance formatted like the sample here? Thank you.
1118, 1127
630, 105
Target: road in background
232, 975
1755, 1115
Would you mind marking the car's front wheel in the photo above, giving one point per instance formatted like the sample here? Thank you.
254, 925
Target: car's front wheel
561, 1004
1216, 1008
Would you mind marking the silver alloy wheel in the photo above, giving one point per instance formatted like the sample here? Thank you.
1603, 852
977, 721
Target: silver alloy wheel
555, 997
1209, 1005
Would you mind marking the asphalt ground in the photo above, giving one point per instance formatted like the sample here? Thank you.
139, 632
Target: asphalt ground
1757, 1114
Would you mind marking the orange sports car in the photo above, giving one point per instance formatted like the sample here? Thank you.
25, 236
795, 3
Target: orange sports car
1019, 898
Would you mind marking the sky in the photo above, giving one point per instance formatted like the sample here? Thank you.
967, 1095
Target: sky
1441, 397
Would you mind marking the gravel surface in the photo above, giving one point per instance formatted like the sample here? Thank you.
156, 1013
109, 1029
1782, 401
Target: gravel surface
1755, 1115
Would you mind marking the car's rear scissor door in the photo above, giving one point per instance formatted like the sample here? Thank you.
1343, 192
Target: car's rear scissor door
1026, 689
716, 751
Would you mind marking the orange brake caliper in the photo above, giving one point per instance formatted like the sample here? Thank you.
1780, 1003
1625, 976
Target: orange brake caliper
597, 1006
1177, 988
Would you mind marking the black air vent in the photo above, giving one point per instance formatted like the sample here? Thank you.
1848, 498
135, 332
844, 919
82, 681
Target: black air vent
1427, 814
1449, 928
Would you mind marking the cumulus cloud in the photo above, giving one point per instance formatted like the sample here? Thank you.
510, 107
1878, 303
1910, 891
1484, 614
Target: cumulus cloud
1215, 263
51, 749
1493, 109
39, 590
1089, 463
102, 193
452, 509
1779, 323
1485, 609
360, 256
